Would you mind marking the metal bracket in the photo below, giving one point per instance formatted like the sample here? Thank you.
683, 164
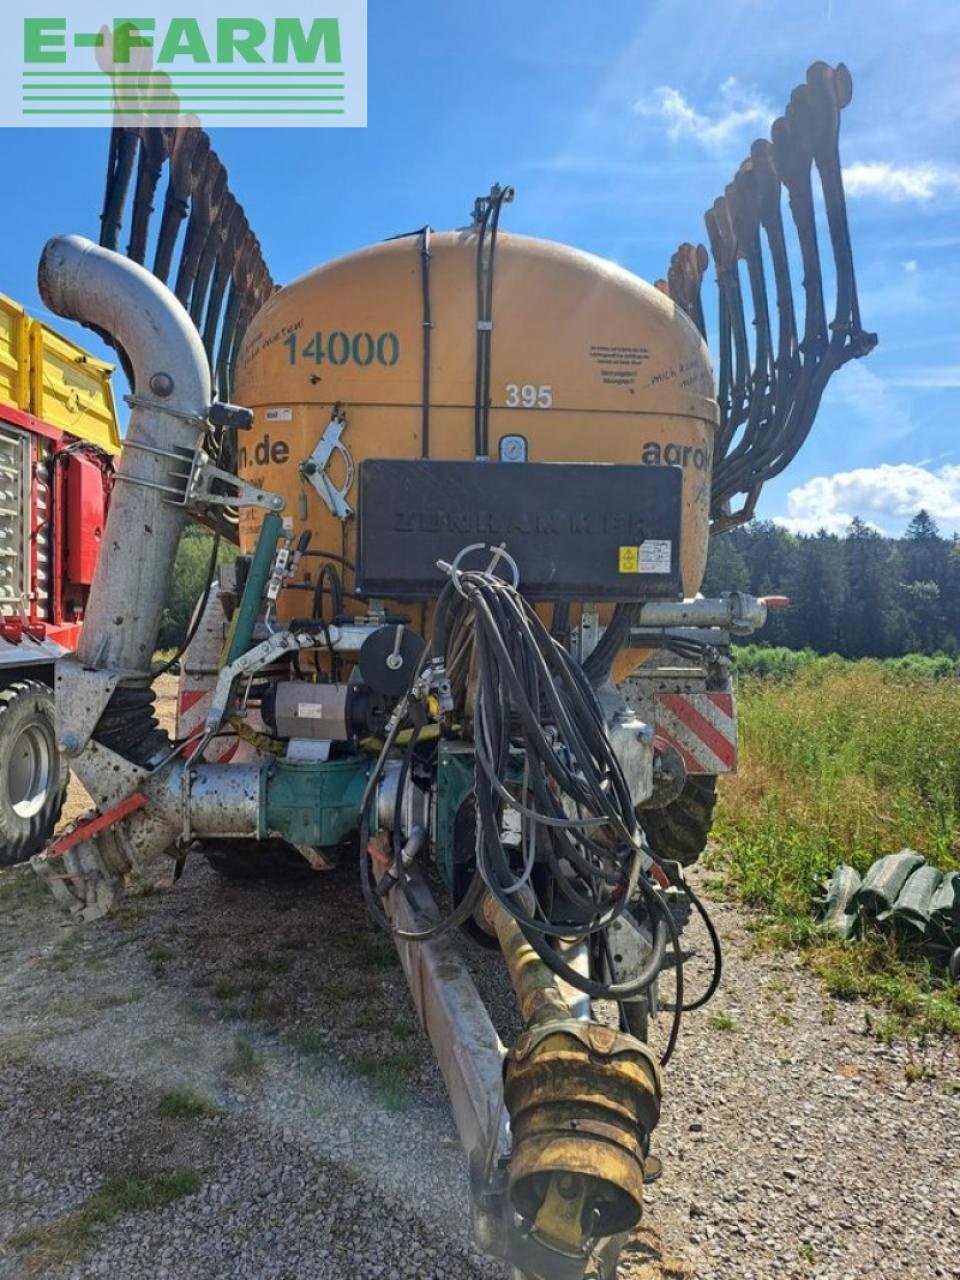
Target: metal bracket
192, 476
585, 638
259, 656
241, 493
314, 469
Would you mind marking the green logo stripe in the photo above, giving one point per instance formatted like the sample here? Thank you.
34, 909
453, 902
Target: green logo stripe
208, 111
173, 75
157, 87
189, 97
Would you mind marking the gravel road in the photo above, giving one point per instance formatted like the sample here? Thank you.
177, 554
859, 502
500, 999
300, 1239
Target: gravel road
258, 1044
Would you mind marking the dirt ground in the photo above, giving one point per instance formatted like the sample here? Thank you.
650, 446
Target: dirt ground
227, 1080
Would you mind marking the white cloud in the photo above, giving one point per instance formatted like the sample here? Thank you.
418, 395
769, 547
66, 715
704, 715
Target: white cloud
898, 183
885, 495
737, 110
944, 377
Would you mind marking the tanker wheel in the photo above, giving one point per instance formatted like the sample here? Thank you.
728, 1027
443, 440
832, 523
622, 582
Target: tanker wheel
679, 831
33, 775
272, 860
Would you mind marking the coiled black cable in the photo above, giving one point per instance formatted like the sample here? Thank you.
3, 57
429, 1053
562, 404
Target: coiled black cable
542, 749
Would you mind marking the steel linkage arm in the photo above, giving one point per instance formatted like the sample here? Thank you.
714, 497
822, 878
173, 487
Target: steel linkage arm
768, 402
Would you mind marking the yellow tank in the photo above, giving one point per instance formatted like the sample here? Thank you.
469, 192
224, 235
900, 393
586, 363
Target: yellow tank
589, 364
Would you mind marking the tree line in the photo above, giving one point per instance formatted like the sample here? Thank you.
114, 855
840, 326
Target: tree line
860, 594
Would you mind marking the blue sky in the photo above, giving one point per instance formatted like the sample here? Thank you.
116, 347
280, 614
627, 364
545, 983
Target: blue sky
619, 123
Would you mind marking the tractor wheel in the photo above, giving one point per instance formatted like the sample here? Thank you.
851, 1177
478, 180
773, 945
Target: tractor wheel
272, 860
33, 775
678, 832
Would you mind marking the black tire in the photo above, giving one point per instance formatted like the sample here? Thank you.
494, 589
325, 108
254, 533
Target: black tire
270, 860
33, 774
679, 831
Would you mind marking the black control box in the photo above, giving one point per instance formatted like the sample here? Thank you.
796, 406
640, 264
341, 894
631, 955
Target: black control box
577, 531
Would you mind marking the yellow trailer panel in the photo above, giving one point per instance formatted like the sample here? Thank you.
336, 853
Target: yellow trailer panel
44, 373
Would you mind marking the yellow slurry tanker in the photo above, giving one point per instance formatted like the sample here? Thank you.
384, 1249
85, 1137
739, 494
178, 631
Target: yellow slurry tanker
473, 480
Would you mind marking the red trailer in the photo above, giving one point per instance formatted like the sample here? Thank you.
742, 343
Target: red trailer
59, 437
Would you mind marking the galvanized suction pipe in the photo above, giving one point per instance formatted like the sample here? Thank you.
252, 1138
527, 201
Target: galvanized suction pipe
103, 290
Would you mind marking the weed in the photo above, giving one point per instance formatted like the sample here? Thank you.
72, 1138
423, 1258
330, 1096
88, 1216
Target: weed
389, 1074
158, 958
914, 1071
245, 1063
66, 1238
807, 1253
185, 1104
231, 1013
67, 952
226, 989
721, 1022
346, 989
842, 762
116, 999
22, 888
280, 964
129, 914
311, 1044
372, 951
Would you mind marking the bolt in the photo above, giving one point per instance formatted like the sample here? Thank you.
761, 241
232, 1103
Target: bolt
161, 384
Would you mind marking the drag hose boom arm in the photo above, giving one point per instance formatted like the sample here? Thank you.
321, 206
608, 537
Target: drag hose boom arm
770, 384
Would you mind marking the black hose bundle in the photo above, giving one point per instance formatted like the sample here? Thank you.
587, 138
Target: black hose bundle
542, 750
535, 710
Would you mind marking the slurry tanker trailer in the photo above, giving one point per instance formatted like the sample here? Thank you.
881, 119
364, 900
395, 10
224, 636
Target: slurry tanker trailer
473, 481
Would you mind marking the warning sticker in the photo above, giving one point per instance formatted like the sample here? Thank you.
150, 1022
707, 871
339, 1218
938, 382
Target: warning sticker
655, 556
629, 559
652, 556
279, 415
618, 365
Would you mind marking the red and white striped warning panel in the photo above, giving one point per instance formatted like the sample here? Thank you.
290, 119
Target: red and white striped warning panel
702, 727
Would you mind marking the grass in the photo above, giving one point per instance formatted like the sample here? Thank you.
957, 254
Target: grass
22, 887
311, 1044
372, 951
226, 989
245, 1063
186, 1104
389, 1074
721, 1022
844, 762
69, 1237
